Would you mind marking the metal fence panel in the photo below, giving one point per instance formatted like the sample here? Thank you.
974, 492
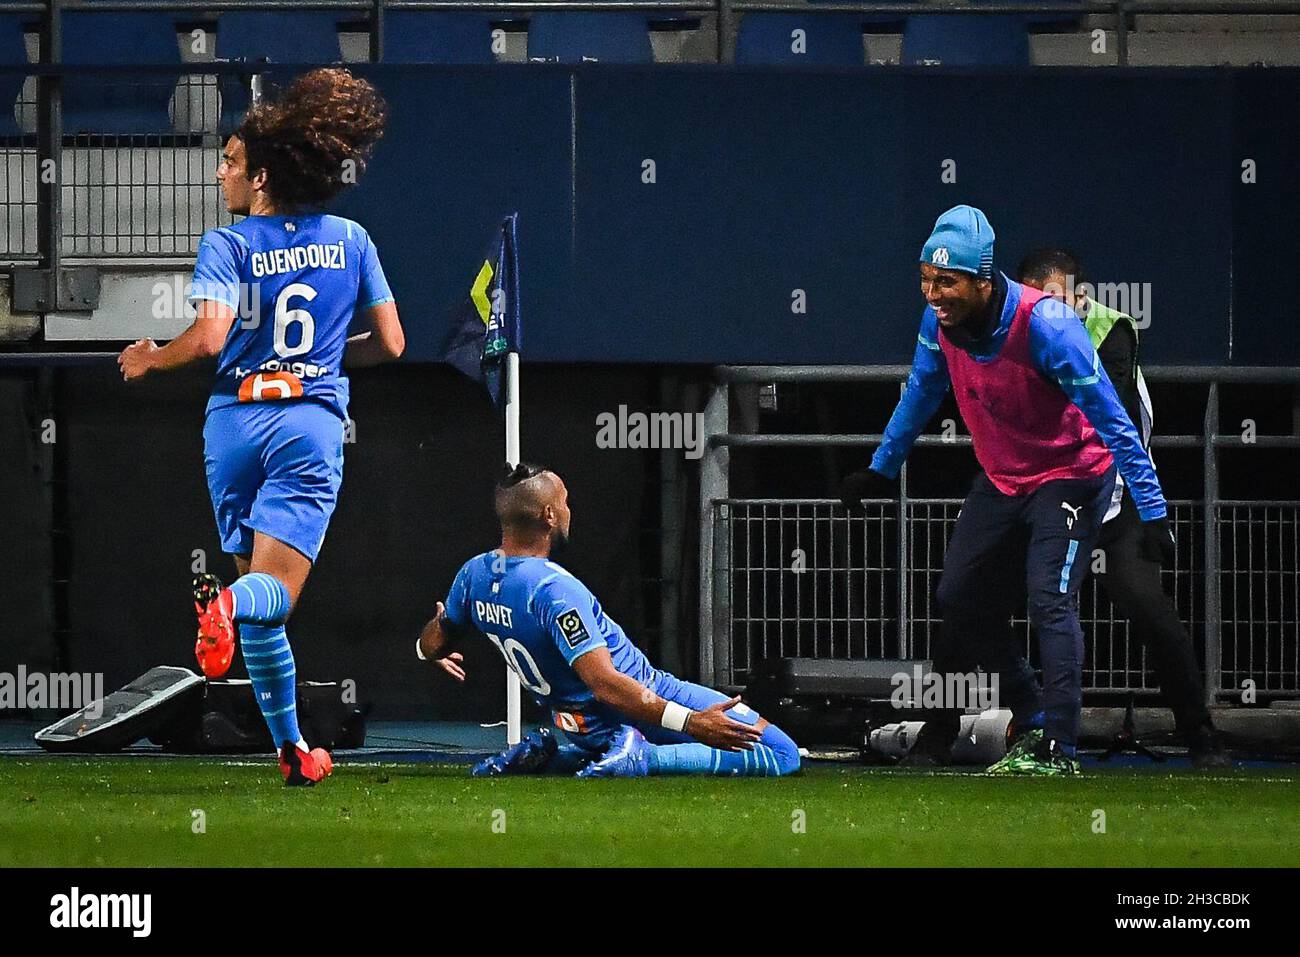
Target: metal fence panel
807, 581
137, 195
1260, 588
801, 578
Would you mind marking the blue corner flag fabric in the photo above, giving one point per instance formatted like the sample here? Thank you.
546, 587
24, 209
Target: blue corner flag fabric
487, 325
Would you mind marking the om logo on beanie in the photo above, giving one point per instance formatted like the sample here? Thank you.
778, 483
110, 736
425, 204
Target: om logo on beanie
962, 239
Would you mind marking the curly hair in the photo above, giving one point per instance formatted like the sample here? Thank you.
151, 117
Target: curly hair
314, 141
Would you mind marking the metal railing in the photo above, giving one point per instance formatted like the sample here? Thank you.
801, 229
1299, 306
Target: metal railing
800, 577
149, 197
121, 195
371, 13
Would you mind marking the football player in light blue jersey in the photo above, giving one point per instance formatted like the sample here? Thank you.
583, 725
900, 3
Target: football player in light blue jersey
621, 716
274, 296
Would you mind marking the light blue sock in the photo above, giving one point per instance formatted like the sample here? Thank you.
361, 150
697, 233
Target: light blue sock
270, 665
682, 759
773, 755
260, 598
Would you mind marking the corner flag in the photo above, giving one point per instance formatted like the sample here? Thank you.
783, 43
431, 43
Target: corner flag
485, 328
483, 342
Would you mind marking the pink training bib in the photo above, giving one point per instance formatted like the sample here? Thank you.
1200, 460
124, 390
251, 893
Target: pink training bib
1025, 430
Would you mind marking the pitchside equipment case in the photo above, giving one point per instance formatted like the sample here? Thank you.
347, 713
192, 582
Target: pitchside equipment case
225, 719
180, 711
823, 701
148, 703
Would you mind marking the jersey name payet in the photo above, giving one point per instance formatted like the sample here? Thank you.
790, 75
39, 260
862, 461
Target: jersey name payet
493, 614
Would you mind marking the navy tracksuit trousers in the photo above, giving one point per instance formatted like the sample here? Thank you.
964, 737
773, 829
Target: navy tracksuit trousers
1008, 549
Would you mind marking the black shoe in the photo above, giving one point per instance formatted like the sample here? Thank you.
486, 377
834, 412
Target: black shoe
933, 747
1205, 748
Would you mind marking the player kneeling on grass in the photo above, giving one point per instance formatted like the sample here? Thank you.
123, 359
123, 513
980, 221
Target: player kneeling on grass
621, 716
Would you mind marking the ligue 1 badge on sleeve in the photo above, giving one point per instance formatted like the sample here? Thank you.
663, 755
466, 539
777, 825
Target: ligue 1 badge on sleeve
570, 622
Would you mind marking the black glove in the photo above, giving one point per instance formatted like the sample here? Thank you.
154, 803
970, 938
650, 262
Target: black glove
868, 483
1158, 542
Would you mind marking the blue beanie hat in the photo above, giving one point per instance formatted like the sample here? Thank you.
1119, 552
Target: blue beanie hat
962, 239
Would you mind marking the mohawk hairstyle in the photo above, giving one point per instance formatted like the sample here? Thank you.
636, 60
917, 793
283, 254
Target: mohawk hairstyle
521, 494
519, 473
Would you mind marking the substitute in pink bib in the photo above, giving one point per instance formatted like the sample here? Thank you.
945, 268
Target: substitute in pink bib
1025, 430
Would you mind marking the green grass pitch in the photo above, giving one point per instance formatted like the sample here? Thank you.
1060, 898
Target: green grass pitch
132, 812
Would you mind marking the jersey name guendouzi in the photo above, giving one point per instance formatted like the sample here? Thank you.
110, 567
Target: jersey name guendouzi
312, 255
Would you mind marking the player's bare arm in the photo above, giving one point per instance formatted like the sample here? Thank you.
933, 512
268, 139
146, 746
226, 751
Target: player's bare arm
433, 645
384, 341
710, 726
202, 340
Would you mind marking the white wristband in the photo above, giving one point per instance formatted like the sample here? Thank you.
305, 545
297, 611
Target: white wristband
675, 716
419, 652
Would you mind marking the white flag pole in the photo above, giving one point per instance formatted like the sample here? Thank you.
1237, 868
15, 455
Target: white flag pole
514, 731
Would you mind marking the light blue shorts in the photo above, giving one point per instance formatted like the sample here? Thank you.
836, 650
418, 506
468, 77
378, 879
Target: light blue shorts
275, 468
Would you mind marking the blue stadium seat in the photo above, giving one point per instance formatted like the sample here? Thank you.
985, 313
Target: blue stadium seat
279, 37
873, 22
12, 52
299, 37
126, 103
965, 40
827, 40
1056, 21
575, 37
416, 36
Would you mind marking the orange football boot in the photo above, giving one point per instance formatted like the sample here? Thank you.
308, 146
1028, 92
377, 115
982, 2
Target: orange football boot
215, 648
302, 769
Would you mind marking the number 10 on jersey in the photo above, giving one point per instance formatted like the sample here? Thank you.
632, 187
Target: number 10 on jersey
522, 664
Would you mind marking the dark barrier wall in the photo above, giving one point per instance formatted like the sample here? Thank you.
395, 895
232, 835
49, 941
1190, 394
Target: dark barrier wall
1266, 214
767, 182
28, 437
416, 503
